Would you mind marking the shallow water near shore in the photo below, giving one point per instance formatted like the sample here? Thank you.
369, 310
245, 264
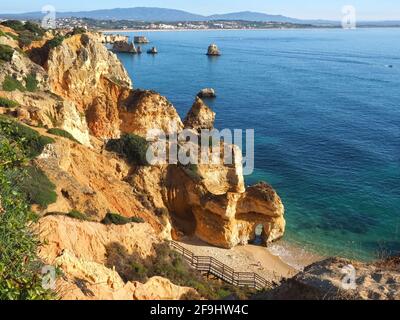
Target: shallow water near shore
325, 106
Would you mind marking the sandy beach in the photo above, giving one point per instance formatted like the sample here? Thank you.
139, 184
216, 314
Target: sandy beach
252, 258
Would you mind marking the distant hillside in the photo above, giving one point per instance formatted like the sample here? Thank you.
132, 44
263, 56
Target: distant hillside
148, 14
154, 14
253, 16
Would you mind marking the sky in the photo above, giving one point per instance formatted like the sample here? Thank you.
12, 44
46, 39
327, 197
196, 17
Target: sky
306, 9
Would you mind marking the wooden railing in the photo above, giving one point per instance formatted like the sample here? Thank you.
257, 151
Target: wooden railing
216, 268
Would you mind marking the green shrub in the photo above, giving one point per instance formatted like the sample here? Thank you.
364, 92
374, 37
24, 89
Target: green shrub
131, 146
77, 30
34, 28
171, 265
31, 142
2, 34
38, 188
75, 214
55, 42
14, 24
62, 133
114, 218
31, 83
12, 84
7, 103
140, 270
27, 32
6, 53
20, 277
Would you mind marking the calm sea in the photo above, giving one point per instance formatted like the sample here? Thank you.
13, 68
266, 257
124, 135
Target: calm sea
325, 106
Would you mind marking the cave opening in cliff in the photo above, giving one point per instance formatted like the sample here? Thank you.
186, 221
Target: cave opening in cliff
258, 235
184, 222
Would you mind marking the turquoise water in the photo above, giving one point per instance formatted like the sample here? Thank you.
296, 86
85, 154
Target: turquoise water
325, 106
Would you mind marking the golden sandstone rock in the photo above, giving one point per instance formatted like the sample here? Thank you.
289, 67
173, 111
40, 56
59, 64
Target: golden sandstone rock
85, 90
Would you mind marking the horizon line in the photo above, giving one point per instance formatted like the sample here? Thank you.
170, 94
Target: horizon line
202, 15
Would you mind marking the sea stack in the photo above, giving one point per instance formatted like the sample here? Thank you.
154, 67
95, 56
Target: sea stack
213, 50
124, 46
207, 93
152, 51
140, 39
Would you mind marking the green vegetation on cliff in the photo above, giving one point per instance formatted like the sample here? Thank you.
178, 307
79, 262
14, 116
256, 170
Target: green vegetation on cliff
12, 84
6, 53
114, 218
27, 32
169, 264
20, 268
130, 146
7, 103
31, 83
62, 133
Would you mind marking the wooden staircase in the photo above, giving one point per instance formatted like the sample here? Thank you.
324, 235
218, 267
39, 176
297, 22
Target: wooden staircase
212, 266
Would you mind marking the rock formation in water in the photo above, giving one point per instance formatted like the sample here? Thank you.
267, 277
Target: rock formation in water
112, 38
153, 50
140, 40
200, 116
213, 50
124, 47
207, 93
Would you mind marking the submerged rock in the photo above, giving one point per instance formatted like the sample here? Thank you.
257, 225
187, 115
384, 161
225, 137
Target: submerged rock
213, 50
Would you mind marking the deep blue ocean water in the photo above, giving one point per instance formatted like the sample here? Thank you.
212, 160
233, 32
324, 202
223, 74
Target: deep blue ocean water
325, 106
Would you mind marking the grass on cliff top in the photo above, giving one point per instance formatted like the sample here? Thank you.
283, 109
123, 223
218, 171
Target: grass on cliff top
27, 32
7, 103
114, 218
169, 264
62, 133
130, 146
20, 268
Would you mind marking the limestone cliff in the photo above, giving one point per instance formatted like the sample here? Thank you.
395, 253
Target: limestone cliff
82, 88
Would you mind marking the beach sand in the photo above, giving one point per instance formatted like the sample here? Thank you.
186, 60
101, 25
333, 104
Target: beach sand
252, 258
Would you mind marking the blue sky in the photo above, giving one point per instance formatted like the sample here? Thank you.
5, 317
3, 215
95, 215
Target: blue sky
326, 9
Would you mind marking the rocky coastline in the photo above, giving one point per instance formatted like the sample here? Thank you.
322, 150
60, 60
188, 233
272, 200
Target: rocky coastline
82, 90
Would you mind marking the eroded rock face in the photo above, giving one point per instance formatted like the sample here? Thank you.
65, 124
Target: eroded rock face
325, 280
82, 70
91, 182
200, 116
82, 250
211, 202
143, 110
